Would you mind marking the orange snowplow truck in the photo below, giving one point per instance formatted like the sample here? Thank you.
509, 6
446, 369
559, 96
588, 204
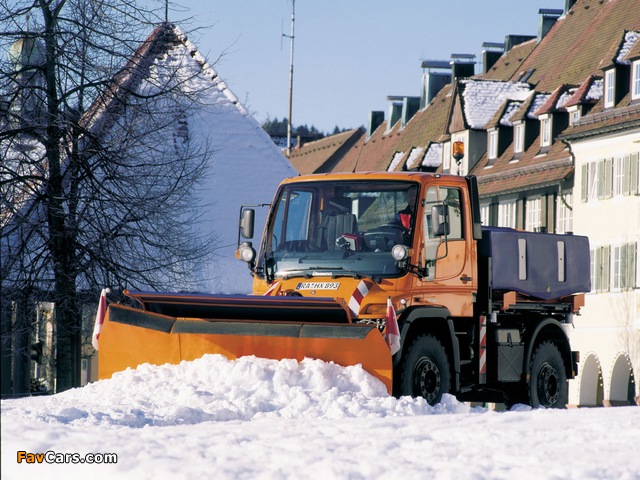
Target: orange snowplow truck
483, 313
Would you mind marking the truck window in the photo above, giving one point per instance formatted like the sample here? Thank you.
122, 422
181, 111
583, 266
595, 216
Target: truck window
451, 197
297, 206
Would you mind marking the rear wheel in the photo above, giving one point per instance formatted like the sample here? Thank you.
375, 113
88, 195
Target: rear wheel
425, 370
548, 386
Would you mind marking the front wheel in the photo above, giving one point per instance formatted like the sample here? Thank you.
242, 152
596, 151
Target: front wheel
548, 386
425, 370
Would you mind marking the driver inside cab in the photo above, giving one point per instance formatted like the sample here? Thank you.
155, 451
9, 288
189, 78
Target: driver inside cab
405, 217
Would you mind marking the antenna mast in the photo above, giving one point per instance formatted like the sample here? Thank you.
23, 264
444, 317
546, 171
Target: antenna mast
291, 37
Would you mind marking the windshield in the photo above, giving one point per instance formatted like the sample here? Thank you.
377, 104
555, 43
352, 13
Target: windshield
339, 228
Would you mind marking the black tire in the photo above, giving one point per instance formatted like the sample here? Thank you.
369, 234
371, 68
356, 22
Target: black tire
548, 386
425, 371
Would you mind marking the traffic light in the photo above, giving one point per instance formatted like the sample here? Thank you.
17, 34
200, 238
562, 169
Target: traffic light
36, 352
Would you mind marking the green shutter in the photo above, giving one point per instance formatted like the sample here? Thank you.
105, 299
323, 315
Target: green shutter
606, 268
608, 178
630, 265
600, 175
633, 173
584, 187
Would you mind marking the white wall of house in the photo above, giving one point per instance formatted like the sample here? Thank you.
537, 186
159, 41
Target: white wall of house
607, 333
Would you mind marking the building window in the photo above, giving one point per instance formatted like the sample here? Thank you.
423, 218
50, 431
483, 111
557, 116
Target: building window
625, 175
600, 269
507, 214
635, 82
623, 266
609, 88
546, 132
446, 156
574, 116
564, 213
518, 138
533, 213
493, 145
485, 214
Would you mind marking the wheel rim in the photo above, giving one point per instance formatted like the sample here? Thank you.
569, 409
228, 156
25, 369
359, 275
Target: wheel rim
427, 379
548, 385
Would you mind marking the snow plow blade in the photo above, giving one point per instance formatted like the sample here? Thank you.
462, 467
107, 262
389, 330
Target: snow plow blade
174, 327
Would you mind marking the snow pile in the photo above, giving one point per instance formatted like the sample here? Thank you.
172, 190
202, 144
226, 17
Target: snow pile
253, 418
214, 388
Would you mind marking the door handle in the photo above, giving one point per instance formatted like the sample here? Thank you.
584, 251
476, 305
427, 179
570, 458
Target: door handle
465, 278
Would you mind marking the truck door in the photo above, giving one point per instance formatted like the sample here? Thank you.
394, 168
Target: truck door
448, 249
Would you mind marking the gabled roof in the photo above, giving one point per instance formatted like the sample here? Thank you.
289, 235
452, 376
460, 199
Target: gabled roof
502, 117
377, 151
481, 99
588, 93
560, 70
576, 46
321, 155
557, 100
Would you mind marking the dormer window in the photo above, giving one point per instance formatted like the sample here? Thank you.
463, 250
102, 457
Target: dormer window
518, 138
635, 80
574, 114
492, 147
545, 130
609, 88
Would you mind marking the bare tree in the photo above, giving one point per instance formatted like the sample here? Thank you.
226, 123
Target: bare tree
99, 176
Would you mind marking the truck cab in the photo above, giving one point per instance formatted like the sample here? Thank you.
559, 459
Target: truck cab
410, 234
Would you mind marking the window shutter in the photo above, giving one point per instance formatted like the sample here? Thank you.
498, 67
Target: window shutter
626, 162
600, 170
624, 270
598, 270
584, 188
633, 171
606, 268
608, 178
632, 253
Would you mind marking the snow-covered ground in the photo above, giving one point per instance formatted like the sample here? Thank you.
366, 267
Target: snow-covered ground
264, 419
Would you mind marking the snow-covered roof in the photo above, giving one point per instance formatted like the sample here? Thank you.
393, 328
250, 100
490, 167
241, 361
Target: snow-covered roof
483, 98
395, 161
433, 157
630, 38
414, 158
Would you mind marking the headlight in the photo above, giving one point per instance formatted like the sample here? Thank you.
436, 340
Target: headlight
246, 252
400, 252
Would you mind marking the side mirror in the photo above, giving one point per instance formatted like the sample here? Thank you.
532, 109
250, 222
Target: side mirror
247, 221
440, 220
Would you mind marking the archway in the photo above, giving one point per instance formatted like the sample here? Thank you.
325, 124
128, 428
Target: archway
623, 385
591, 385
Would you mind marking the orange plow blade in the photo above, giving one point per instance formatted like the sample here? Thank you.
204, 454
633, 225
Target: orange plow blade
174, 327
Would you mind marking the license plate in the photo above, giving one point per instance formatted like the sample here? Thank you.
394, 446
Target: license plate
318, 286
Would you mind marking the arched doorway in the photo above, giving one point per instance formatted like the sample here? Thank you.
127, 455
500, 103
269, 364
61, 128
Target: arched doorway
591, 385
623, 385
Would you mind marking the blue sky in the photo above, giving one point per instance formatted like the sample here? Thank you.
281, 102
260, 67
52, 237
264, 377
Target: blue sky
349, 55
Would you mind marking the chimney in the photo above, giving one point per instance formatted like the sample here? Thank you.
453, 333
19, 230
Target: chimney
548, 17
491, 52
435, 75
375, 120
395, 110
463, 65
511, 41
568, 5
410, 106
